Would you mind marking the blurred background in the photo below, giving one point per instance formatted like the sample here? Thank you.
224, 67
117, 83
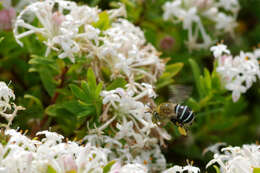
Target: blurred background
218, 118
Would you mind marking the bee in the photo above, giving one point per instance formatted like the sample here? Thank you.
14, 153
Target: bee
180, 115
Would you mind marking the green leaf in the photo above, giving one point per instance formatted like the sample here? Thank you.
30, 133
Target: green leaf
196, 74
48, 81
117, 83
98, 90
38, 62
256, 170
50, 169
166, 78
89, 93
78, 92
48, 69
108, 166
53, 110
91, 78
87, 112
73, 106
216, 82
203, 102
193, 104
104, 22
203, 87
35, 99
174, 69
216, 168
207, 80
164, 82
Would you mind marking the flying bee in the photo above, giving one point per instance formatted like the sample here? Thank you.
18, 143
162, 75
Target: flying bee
180, 115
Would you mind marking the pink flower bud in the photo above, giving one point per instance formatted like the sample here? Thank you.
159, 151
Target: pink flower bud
69, 163
58, 18
167, 43
6, 18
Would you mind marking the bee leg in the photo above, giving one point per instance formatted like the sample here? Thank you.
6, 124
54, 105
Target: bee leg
156, 121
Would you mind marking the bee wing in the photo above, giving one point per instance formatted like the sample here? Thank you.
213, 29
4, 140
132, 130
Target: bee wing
179, 93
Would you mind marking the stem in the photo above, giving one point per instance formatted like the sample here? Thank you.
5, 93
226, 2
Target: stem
53, 101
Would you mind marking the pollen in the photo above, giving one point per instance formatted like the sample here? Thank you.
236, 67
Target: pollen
247, 58
35, 138
145, 162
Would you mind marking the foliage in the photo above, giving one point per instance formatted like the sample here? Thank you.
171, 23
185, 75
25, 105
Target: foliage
67, 96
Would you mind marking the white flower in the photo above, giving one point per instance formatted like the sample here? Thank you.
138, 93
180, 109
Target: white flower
6, 94
126, 52
225, 23
133, 168
173, 169
124, 129
179, 169
190, 12
232, 5
120, 12
61, 31
134, 124
238, 73
22, 154
191, 169
238, 159
214, 148
219, 49
237, 89
152, 159
51, 137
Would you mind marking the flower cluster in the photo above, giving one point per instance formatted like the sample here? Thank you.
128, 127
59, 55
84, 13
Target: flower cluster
126, 134
133, 115
124, 50
50, 154
192, 12
238, 73
18, 153
72, 30
62, 28
237, 159
8, 109
150, 158
126, 114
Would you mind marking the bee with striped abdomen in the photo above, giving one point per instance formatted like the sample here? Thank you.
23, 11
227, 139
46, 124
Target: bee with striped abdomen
180, 115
